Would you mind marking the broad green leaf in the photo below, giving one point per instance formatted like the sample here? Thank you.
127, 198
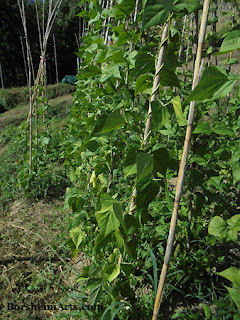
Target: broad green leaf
155, 273
143, 82
131, 223
144, 61
118, 58
232, 235
124, 9
117, 208
119, 29
168, 132
145, 164
236, 316
218, 227
232, 274
101, 120
126, 268
202, 127
114, 121
235, 164
95, 286
72, 194
187, 6
224, 90
88, 72
45, 140
160, 116
107, 222
147, 189
216, 181
176, 101
207, 311
156, 12
212, 81
232, 61
170, 58
132, 58
111, 272
129, 170
77, 235
110, 70
231, 42
235, 295
92, 145
234, 228
161, 160
102, 241
119, 241
107, 203
169, 78
223, 129
123, 38
234, 222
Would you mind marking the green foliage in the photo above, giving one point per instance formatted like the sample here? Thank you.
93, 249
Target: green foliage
107, 162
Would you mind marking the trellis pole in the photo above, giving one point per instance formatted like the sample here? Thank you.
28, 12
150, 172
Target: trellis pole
1, 75
55, 57
153, 97
43, 40
24, 59
183, 165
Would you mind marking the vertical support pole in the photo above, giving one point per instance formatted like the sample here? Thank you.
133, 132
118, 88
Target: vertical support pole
1, 75
24, 59
55, 57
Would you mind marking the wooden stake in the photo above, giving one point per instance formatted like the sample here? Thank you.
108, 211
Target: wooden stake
183, 165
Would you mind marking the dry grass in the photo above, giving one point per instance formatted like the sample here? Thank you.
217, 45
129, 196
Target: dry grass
42, 270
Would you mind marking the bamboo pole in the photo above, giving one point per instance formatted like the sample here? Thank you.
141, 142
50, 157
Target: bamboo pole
55, 57
52, 13
183, 165
29, 60
24, 59
156, 83
153, 97
1, 75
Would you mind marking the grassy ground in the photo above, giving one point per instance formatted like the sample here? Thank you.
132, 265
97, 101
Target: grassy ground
17, 115
36, 268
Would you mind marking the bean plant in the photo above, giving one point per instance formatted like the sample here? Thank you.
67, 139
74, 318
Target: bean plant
123, 181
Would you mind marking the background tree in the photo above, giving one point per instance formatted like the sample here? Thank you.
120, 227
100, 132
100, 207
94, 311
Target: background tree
67, 25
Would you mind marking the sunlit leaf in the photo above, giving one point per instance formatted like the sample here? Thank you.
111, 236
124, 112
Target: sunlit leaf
111, 272
145, 164
156, 12
176, 101
143, 82
235, 295
218, 227
211, 82
114, 121
77, 235
231, 42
